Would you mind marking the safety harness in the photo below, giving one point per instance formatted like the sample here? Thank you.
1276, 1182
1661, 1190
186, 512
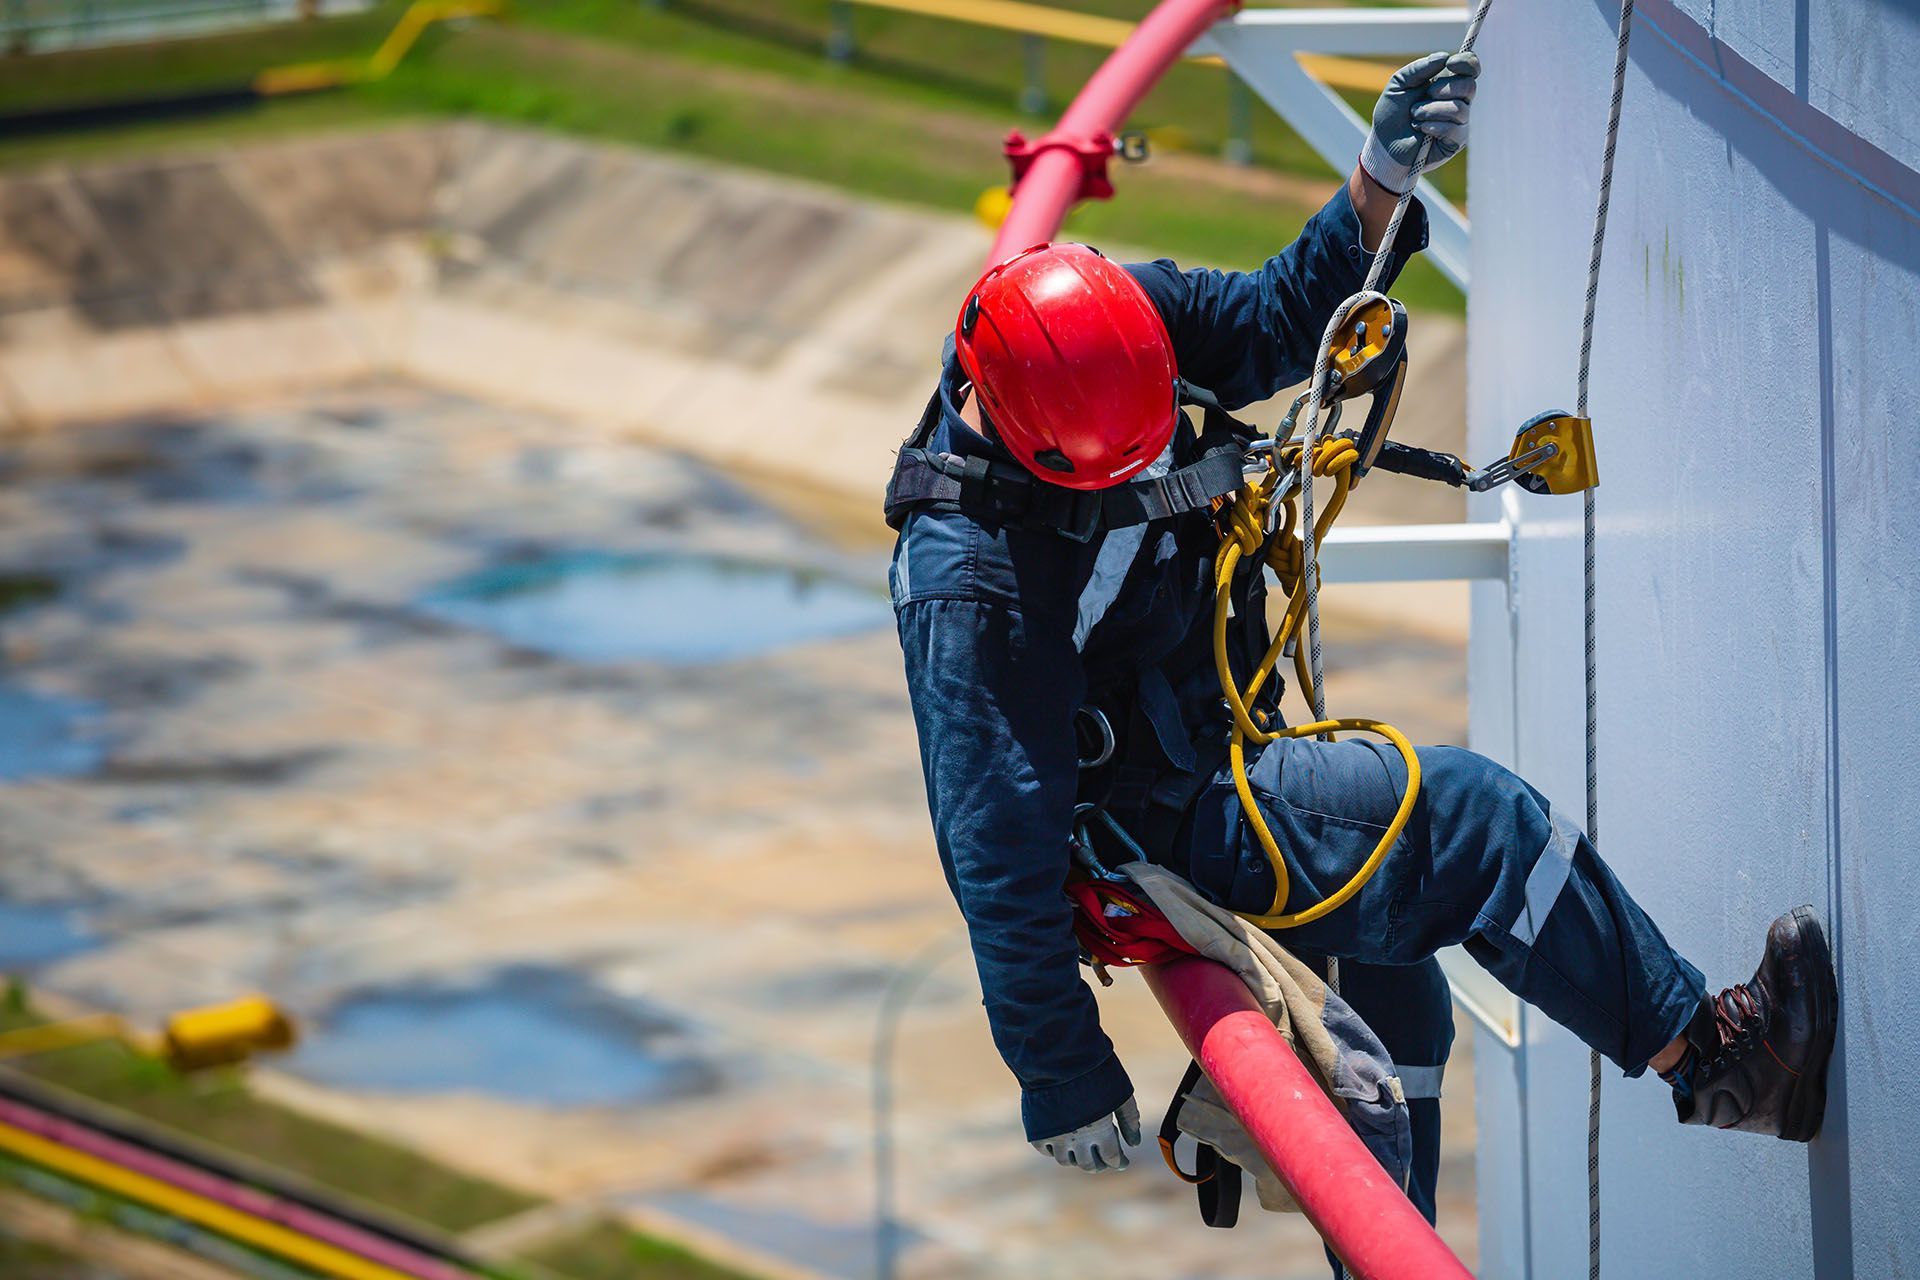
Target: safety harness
1258, 492
1005, 493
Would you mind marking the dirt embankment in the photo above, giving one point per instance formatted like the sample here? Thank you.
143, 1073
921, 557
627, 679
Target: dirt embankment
777, 328
711, 310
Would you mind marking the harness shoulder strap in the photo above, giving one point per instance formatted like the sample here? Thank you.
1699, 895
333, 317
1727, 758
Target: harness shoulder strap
1009, 494
1216, 474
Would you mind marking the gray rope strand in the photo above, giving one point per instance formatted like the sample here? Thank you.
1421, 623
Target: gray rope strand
1588, 532
1376, 270
1378, 267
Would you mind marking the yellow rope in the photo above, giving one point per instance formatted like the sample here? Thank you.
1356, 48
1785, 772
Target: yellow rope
1246, 522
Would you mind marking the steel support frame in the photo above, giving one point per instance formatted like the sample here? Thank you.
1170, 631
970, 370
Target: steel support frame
1262, 47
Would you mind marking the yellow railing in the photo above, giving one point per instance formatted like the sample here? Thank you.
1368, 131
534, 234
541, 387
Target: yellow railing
1355, 74
333, 75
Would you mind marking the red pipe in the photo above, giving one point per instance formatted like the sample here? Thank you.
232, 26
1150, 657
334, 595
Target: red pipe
1070, 163
1362, 1214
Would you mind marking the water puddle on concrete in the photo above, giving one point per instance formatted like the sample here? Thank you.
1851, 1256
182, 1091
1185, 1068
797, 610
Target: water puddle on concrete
679, 608
36, 934
44, 735
543, 1036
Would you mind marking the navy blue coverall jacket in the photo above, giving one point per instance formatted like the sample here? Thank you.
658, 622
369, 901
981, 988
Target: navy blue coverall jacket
1006, 632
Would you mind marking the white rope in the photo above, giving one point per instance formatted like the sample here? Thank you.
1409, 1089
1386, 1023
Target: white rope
1587, 526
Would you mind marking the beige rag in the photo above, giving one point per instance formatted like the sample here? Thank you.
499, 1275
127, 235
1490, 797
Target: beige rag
1297, 1000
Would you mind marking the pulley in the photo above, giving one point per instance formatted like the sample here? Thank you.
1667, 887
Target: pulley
1368, 357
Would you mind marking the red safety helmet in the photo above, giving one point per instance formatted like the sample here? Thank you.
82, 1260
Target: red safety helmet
1072, 365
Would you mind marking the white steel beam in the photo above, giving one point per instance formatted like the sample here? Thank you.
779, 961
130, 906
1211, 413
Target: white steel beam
1416, 552
1262, 47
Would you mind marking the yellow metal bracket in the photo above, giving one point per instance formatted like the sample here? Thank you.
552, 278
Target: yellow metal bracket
1553, 453
209, 1036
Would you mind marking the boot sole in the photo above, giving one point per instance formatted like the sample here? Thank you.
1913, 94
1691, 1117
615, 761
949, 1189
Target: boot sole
1807, 1103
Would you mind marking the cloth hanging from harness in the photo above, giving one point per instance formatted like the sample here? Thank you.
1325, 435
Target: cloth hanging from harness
1159, 915
1002, 492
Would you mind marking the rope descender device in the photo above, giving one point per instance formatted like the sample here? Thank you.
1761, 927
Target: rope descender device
1369, 357
1552, 453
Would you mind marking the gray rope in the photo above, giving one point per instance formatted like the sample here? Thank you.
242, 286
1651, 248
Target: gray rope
1375, 271
1587, 526
1317, 388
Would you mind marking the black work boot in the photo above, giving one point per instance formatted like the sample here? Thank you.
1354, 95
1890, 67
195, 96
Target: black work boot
1758, 1051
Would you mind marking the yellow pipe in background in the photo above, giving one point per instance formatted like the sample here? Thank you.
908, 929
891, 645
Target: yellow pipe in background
1351, 74
214, 1035
270, 1237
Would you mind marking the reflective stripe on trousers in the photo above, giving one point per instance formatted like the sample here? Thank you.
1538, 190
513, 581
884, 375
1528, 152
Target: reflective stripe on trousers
1484, 862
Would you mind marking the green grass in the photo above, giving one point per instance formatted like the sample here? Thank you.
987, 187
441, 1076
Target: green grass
217, 1108
916, 117
26, 1260
606, 1250
116, 71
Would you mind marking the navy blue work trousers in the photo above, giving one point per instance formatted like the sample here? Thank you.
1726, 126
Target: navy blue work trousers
1486, 863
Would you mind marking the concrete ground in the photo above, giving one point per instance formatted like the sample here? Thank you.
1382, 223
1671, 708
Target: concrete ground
309, 784
414, 362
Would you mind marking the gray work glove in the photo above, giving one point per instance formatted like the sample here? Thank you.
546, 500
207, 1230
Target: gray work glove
1099, 1147
1427, 98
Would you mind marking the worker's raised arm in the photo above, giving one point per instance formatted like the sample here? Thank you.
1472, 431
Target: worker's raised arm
995, 679
1246, 335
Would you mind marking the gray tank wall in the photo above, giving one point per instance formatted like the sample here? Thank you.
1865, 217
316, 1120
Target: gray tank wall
1756, 398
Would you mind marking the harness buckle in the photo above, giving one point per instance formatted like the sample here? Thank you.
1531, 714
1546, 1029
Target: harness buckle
1082, 516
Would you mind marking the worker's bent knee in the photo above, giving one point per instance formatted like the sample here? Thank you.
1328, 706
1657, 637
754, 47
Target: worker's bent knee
1469, 799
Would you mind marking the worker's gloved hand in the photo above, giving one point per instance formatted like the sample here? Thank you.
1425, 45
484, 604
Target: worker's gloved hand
1428, 98
1099, 1147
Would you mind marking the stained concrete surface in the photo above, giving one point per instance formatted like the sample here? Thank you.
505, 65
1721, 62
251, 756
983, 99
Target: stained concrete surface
316, 787
439, 353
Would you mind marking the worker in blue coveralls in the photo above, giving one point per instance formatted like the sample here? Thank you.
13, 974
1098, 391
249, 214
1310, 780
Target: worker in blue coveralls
1052, 578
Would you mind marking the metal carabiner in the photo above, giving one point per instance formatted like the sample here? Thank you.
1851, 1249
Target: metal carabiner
1082, 843
1105, 726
